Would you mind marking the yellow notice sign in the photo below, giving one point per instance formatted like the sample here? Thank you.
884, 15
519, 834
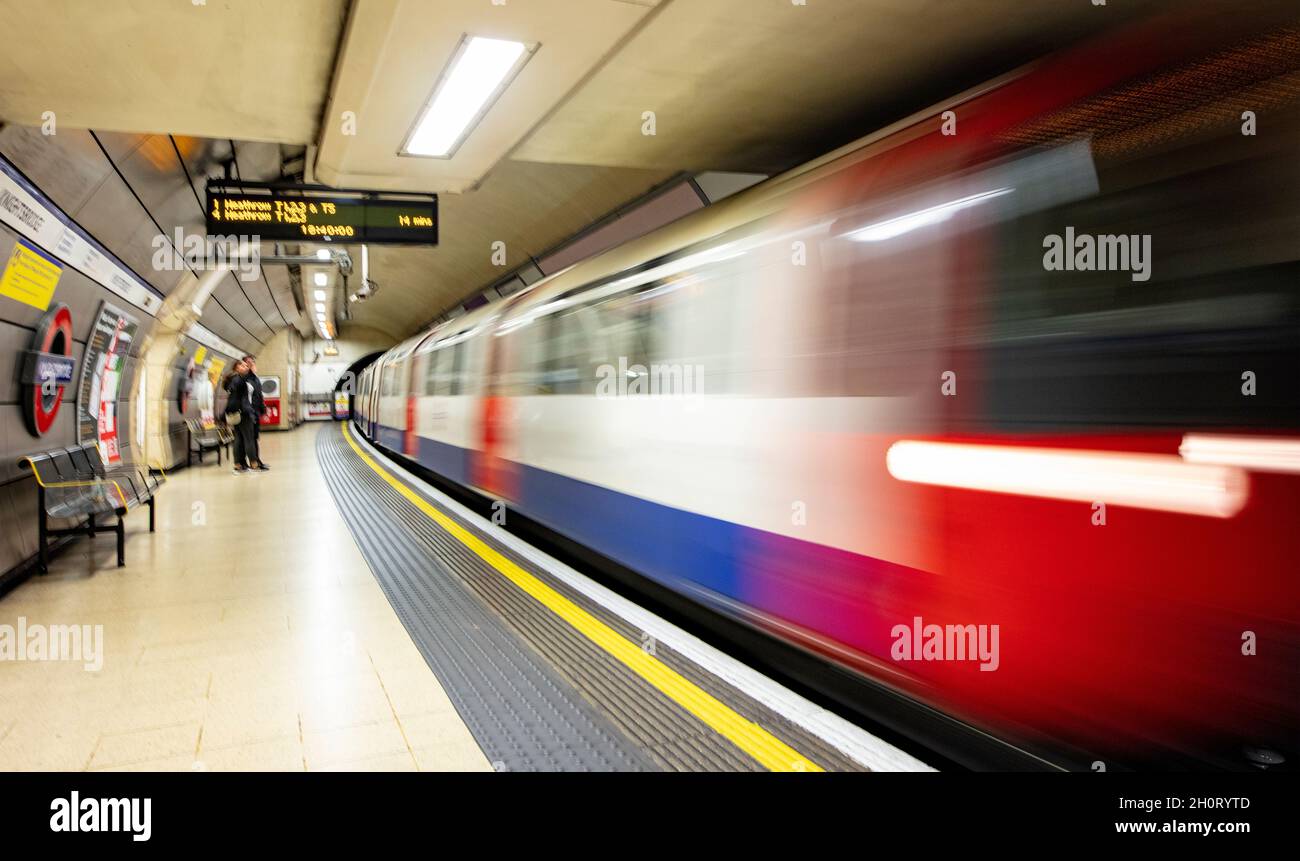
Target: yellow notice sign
200, 354
30, 276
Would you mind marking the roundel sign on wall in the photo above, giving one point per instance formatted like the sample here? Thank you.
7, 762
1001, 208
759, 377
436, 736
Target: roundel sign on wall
47, 369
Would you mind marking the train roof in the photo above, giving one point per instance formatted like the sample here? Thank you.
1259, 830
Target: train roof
753, 203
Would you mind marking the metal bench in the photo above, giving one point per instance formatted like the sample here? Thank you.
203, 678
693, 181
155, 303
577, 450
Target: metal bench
203, 440
142, 481
74, 483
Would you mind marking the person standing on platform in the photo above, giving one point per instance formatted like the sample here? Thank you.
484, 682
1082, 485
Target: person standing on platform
243, 412
259, 401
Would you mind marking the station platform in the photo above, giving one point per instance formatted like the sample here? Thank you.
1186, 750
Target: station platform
338, 613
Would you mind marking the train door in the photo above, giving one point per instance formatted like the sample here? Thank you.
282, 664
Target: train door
490, 468
372, 409
414, 388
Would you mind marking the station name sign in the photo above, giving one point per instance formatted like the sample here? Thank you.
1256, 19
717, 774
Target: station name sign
317, 213
46, 369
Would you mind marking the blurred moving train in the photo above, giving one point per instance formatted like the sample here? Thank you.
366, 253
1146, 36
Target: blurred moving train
1023, 367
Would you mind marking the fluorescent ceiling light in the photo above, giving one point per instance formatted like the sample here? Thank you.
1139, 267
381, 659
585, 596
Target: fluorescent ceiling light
320, 295
322, 254
479, 71
320, 306
321, 279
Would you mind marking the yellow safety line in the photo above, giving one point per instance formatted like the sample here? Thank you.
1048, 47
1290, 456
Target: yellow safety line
770, 751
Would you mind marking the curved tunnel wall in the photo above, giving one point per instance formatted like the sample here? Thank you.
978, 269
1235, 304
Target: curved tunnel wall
18, 327
124, 192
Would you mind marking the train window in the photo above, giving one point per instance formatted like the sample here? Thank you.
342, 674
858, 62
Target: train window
877, 324
457, 369
568, 345
1200, 284
431, 376
443, 373
394, 378
434, 382
705, 324
627, 338
520, 365
675, 336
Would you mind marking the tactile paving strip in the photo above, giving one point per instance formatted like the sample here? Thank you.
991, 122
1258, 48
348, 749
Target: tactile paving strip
666, 735
523, 715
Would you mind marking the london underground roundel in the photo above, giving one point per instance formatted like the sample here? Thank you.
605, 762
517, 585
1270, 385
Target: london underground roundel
47, 369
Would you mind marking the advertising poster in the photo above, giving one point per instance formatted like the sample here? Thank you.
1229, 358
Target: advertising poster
107, 349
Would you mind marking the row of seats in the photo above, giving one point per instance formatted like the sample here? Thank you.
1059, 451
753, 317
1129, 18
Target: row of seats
203, 439
75, 483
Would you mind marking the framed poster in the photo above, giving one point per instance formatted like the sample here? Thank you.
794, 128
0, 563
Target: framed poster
107, 348
271, 396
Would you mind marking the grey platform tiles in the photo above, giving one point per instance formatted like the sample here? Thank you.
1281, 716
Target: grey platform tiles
536, 694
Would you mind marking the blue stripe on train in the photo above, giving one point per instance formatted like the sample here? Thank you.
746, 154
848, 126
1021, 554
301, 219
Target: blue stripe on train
449, 461
390, 438
661, 542
664, 543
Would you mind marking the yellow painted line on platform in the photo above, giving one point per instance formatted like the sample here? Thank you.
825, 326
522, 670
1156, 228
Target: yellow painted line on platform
767, 749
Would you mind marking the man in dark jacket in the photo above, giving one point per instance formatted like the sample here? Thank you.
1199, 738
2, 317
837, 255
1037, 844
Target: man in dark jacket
241, 400
259, 401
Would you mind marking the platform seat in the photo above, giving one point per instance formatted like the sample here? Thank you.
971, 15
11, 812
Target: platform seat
74, 483
204, 439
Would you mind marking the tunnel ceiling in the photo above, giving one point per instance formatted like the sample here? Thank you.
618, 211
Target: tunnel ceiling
256, 70
127, 189
745, 85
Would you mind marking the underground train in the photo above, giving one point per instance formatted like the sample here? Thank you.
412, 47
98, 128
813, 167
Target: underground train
996, 408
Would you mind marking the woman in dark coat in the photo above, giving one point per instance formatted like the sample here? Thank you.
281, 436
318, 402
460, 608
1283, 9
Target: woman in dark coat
241, 399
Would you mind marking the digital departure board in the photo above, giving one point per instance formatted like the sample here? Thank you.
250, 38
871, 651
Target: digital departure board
308, 213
